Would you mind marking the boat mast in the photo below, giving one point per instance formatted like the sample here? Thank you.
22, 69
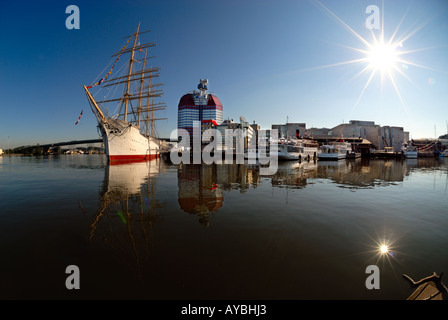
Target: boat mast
131, 62
152, 118
141, 89
145, 112
150, 102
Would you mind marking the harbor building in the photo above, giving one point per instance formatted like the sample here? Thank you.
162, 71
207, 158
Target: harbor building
290, 130
372, 134
246, 132
380, 136
198, 106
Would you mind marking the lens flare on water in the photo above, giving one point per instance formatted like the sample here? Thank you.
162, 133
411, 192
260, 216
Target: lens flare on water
384, 249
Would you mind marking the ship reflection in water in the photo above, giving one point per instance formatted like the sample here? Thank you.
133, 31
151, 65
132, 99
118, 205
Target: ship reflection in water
332, 213
128, 209
130, 187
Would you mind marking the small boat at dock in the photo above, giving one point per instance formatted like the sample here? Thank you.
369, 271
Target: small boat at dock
297, 149
335, 150
410, 151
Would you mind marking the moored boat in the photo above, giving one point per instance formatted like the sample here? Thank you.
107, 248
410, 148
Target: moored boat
297, 149
410, 151
335, 150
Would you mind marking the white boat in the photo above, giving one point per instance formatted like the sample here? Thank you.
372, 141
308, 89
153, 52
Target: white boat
128, 129
335, 150
409, 151
297, 149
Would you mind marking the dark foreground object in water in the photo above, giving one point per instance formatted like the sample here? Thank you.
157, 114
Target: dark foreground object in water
429, 288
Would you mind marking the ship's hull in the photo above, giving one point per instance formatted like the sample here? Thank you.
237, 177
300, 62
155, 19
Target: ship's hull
331, 156
295, 151
334, 152
306, 154
411, 154
124, 142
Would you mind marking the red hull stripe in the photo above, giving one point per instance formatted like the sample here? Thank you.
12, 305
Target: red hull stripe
133, 158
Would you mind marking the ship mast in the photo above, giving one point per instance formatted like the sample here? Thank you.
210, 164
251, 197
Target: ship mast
151, 103
131, 62
144, 93
142, 81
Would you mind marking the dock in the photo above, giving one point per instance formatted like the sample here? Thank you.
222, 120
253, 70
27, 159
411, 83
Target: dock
426, 154
386, 154
354, 155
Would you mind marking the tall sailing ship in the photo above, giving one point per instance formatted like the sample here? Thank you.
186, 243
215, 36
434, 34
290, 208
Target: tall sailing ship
126, 113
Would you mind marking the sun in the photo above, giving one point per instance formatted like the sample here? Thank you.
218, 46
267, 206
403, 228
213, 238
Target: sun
384, 249
382, 57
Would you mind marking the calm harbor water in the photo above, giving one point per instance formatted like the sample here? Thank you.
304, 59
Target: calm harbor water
158, 231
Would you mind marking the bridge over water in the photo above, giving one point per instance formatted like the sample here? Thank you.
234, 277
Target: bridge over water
69, 143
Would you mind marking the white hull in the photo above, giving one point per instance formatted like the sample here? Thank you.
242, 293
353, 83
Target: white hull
296, 150
331, 156
123, 141
409, 151
307, 154
411, 154
336, 151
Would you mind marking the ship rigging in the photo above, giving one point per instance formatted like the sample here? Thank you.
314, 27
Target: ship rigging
126, 121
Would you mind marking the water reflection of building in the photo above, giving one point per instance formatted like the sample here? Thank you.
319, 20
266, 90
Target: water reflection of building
294, 174
201, 186
198, 190
362, 172
238, 176
350, 173
128, 210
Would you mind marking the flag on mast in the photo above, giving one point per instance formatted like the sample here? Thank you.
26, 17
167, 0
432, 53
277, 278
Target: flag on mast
78, 118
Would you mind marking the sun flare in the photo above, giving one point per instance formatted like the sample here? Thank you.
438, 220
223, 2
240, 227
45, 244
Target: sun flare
382, 57
384, 249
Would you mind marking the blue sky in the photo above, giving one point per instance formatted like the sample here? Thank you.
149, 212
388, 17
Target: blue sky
264, 59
